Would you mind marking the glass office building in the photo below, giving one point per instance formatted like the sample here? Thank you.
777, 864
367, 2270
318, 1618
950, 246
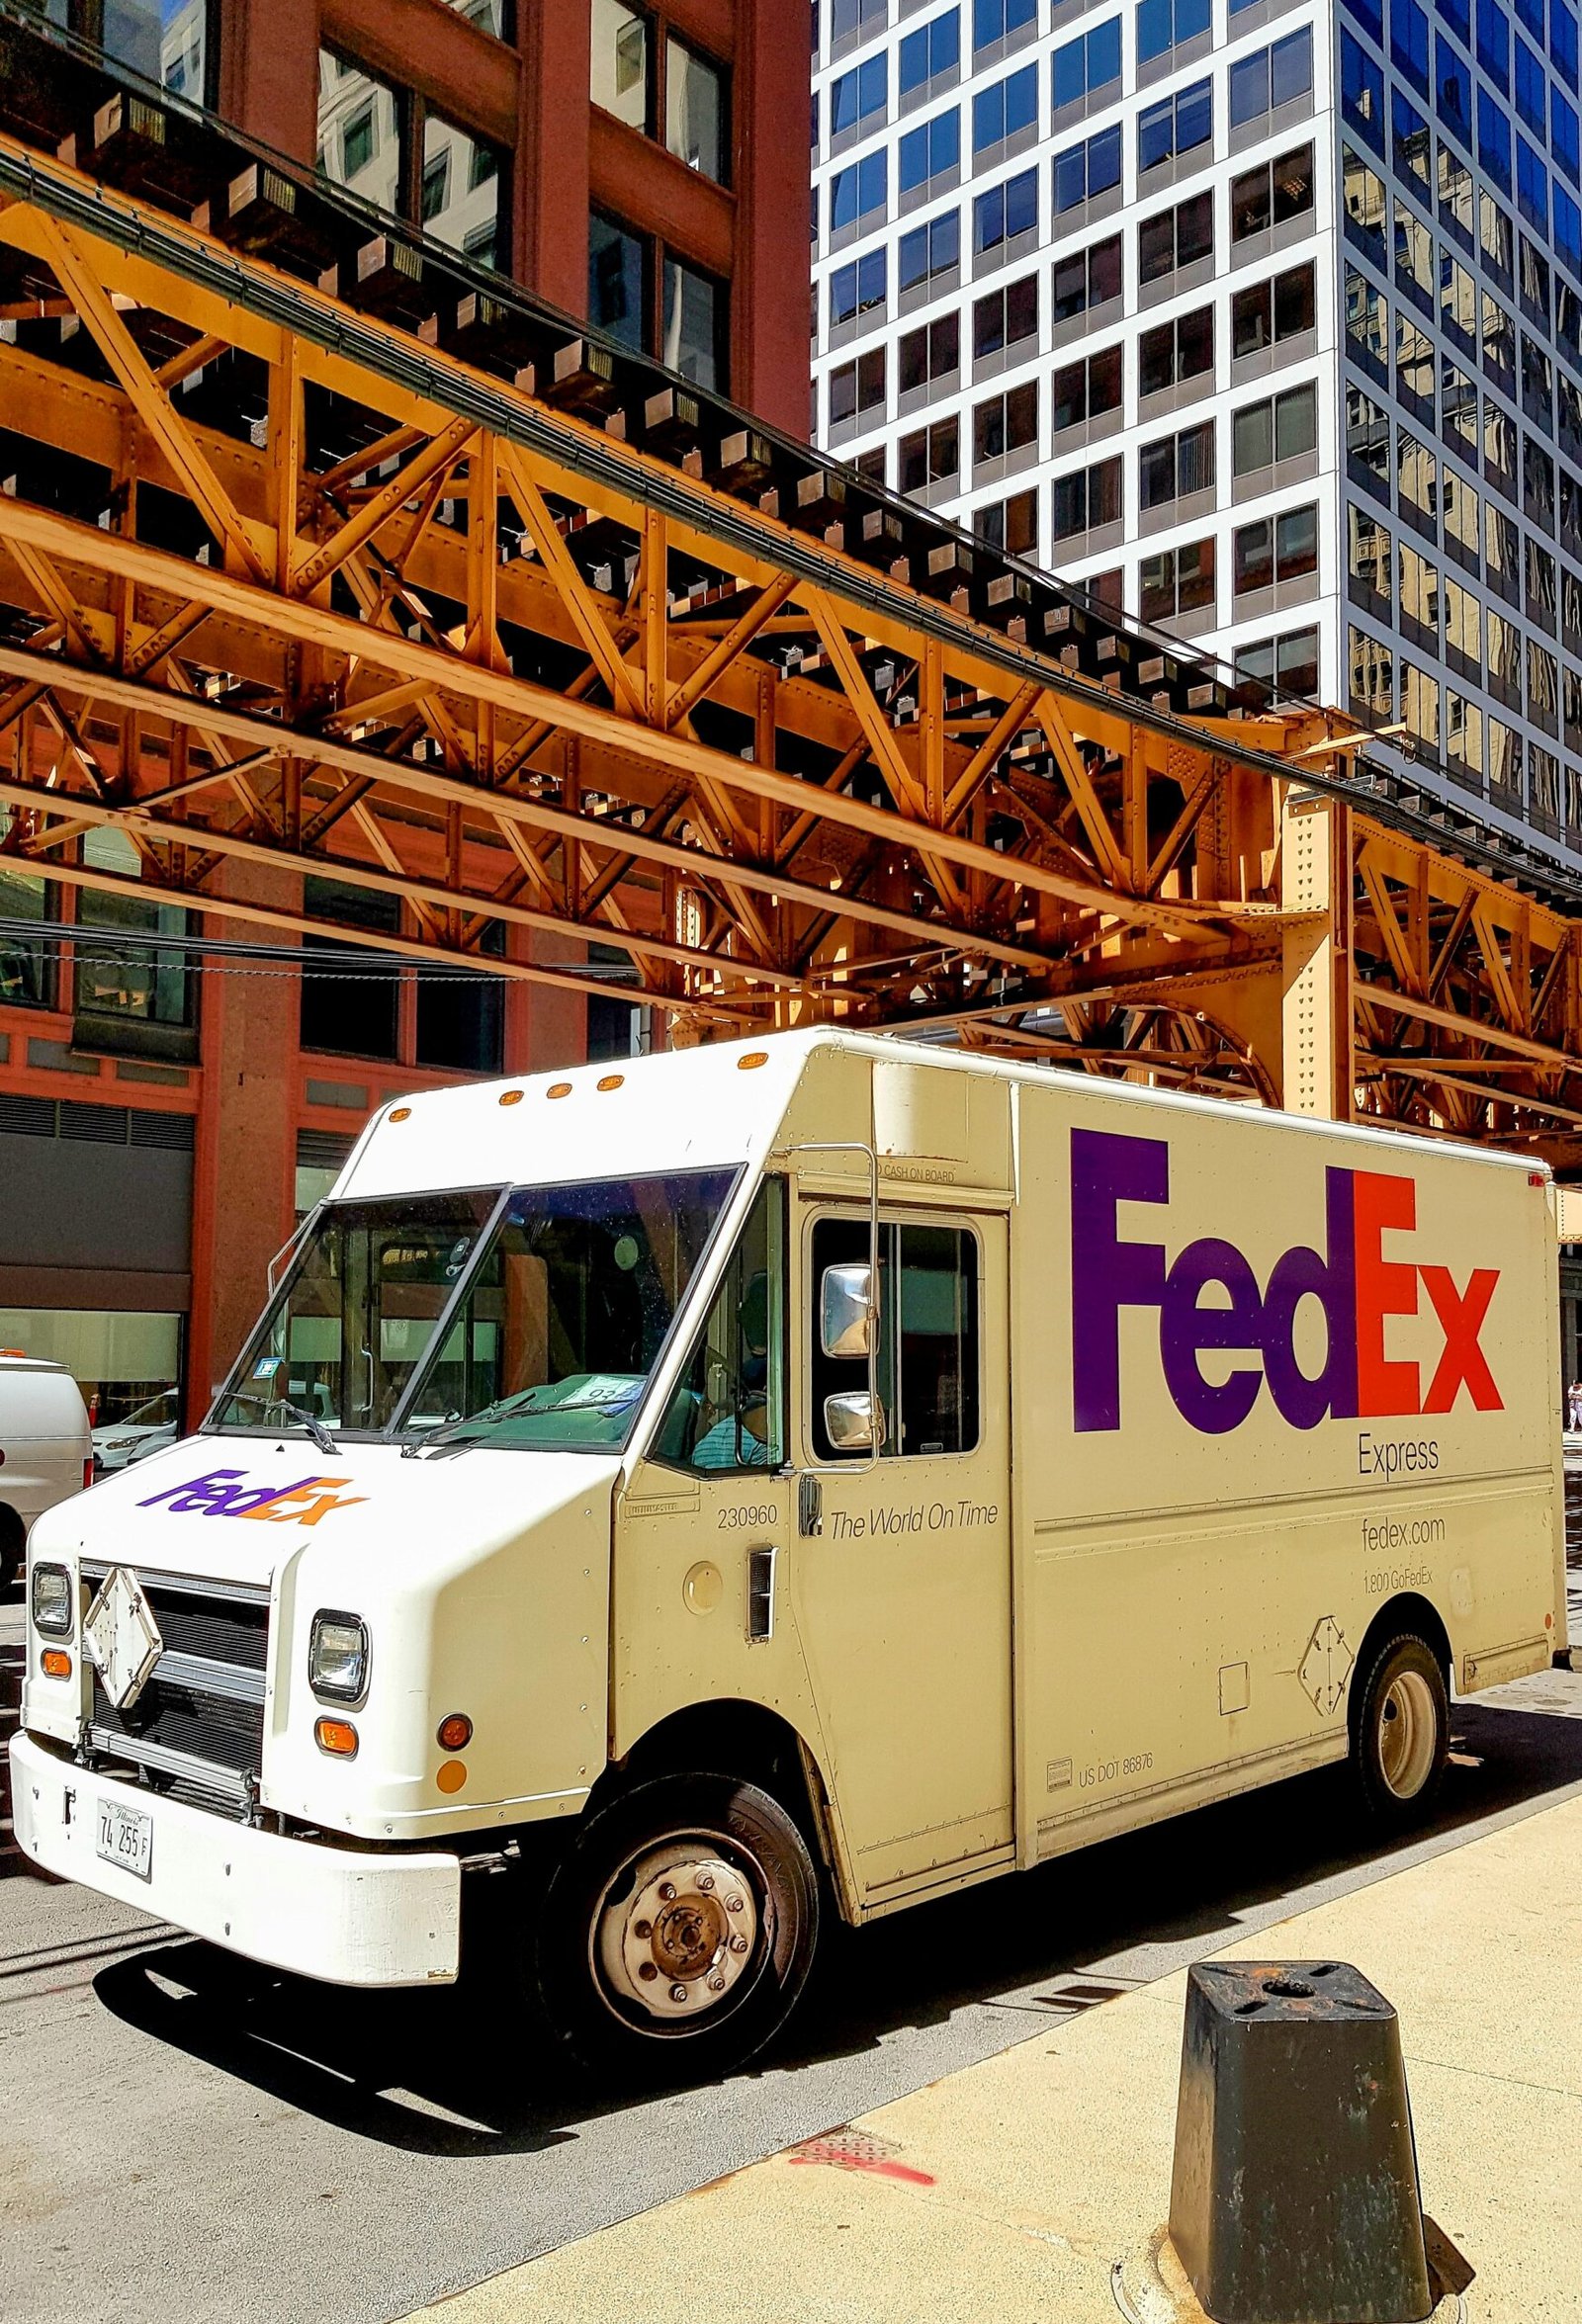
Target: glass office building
1263, 321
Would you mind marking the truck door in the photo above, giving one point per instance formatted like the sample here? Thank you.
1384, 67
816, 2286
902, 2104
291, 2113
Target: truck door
903, 1589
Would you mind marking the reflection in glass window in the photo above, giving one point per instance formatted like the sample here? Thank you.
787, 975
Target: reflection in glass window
461, 189
619, 66
926, 1367
729, 1409
27, 970
1366, 319
1372, 680
692, 341
694, 110
127, 1366
616, 289
359, 132
130, 984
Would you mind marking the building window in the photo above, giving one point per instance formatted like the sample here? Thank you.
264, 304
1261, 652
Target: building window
1369, 563
1416, 475
368, 132
1087, 391
1276, 549
694, 339
1409, 41
1464, 632
1176, 582
1089, 500
928, 56
1176, 238
617, 281
1419, 599
1367, 323
1414, 369
1266, 436
620, 74
931, 457
1167, 25
1420, 708
1005, 116
1087, 71
1361, 92
1005, 212
929, 156
1176, 468
1009, 525
358, 1013
1087, 280
1002, 23
874, 465
1005, 425
696, 127
1005, 318
1086, 172
859, 387
1372, 676
127, 1363
1458, 411
321, 1156
858, 289
1271, 78
26, 961
852, 22
1362, 199
1495, 240
930, 253
1267, 313
1289, 663
858, 195
859, 99
1177, 128
1367, 444
929, 359
1176, 353
1456, 195
132, 996
1271, 195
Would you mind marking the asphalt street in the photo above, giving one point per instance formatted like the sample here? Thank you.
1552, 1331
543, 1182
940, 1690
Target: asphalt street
185, 2135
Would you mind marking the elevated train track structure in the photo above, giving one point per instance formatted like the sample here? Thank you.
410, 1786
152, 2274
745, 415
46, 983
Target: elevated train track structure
323, 550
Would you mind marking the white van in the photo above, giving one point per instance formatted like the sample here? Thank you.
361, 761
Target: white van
46, 1449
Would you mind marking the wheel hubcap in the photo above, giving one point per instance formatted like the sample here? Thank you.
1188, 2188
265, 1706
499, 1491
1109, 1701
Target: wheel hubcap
677, 1931
1407, 1734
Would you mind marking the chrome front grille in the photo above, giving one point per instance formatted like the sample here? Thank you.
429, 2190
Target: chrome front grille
200, 1720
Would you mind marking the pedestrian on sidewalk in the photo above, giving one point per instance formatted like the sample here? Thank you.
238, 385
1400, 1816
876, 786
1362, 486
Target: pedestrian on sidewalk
1573, 1406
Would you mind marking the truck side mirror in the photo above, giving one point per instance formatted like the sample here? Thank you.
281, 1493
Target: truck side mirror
853, 1422
845, 1312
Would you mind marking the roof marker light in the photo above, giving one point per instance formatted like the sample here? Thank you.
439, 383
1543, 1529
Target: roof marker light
609, 1082
559, 1089
511, 1096
402, 1113
753, 1057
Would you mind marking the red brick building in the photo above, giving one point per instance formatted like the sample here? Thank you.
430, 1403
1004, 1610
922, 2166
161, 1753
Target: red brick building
166, 1110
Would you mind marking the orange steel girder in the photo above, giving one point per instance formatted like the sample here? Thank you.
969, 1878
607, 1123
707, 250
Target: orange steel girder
330, 623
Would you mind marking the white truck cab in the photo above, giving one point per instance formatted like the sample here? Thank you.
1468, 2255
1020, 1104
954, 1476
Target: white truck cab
45, 1453
814, 1471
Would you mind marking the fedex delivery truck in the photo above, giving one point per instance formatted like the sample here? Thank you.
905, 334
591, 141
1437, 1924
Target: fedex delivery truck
771, 1480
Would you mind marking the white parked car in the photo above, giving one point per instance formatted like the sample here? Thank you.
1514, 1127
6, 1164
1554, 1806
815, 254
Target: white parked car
45, 1450
118, 1442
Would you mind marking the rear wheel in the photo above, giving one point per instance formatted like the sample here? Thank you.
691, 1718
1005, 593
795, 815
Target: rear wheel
1401, 1730
678, 1929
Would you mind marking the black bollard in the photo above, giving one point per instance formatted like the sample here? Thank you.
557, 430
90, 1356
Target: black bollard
1294, 2197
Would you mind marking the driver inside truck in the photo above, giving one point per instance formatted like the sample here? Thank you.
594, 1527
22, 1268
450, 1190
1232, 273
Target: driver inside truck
739, 1436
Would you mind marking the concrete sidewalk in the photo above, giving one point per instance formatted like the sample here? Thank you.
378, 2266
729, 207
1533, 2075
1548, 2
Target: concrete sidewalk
1015, 2187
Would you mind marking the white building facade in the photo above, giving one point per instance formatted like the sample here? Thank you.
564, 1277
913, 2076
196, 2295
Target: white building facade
1262, 323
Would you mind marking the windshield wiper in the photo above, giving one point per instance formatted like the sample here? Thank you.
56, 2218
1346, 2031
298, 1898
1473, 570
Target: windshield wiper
314, 1426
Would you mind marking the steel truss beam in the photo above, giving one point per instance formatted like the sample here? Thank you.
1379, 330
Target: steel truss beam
549, 679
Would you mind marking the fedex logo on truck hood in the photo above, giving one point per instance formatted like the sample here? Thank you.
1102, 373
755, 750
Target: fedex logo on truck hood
1354, 1284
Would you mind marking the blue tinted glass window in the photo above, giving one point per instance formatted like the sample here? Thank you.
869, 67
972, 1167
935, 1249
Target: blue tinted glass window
1409, 41
1153, 33
1412, 149
999, 112
993, 20
1195, 116
1104, 54
1249, 87
1457, 14
1453, 90
1531, 87
914, 61
843, 294
935, 47
1531, 13
1362, 91
928, 250
1563, 135
1494, 42
1071, 179
1104, 160
1192, 17
1156, 131
1532, 186
1069, 75
1569, 231
857, 192
1493, 141
1369, 14
858, 95
1562, 41
1290, 67
1021, 202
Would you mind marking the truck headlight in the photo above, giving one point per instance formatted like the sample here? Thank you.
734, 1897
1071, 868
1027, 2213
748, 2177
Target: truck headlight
51, 1601
337, 1657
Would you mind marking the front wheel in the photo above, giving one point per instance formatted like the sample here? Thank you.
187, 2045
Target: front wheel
1401, 1731
678, 1929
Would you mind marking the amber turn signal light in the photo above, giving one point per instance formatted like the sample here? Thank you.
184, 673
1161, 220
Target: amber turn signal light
56, 1663
452, 1776
456, 1732
336, 1736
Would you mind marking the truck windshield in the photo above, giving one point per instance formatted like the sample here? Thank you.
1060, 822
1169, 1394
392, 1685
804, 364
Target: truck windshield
357, 1312
565, 1312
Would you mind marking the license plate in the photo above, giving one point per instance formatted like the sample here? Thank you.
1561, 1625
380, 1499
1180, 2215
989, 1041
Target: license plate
127, 1838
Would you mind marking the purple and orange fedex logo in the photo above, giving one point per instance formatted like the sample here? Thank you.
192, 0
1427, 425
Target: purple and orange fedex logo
226, 1493
1354, 1284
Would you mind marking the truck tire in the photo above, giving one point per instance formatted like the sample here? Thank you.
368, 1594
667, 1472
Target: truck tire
1400, 1730
678, 1928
